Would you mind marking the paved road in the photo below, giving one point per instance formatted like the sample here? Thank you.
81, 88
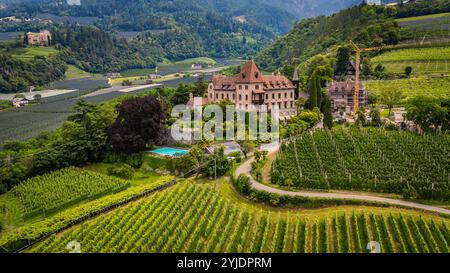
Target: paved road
245, 168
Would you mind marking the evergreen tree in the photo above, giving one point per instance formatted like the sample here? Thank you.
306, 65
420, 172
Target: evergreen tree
313, 92
327, 115
319, 91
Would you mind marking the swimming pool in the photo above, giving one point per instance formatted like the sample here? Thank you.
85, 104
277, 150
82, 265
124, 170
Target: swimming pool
172, 152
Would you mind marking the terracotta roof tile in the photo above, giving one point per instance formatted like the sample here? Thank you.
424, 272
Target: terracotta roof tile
250, 74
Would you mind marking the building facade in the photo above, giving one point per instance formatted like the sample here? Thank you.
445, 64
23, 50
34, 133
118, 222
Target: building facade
253, 91
42, 38
341, 94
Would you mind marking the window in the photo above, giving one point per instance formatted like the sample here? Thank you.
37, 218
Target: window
246, 87
292, 95
217, 96
240, 97
285, 95
240, 87
228, 96
267, 96
273, 96
234, 96
285, 104
246, 97
279, 96
222, 95
257, 87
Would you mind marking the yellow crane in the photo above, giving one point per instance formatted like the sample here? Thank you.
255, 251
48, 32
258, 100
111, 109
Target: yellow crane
358, 69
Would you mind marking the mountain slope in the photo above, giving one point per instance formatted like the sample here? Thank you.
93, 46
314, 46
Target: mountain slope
364, 24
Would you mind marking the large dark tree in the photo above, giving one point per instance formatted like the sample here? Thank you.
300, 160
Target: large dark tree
342, 60
140, 121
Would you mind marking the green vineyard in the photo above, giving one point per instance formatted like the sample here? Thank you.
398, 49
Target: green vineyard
50, 192
428, 60
413, 87
198, 218
367, 160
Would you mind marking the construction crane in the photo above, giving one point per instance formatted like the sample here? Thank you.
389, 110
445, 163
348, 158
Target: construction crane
358, 69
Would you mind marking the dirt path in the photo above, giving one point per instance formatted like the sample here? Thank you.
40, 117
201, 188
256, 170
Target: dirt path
245, 168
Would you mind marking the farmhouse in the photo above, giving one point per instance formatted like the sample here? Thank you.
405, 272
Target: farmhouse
253, 91
196, 66
341, 94
19, 102
42, 38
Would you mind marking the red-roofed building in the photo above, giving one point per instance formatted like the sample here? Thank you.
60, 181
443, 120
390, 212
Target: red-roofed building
251, 90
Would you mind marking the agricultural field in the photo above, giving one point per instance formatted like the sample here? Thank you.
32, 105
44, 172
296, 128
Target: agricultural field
426, 60
74, 72
433, 28
198, 218
51, 192
430, 86
33, 51
367, 160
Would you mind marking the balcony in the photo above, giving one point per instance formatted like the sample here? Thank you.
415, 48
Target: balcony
258, 98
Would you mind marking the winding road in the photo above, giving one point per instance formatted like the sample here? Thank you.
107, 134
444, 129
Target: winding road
245, 168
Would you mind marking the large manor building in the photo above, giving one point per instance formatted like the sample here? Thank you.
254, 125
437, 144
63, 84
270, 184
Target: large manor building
252, 91
42, 38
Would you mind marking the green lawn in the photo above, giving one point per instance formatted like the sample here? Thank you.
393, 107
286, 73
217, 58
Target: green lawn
30, 52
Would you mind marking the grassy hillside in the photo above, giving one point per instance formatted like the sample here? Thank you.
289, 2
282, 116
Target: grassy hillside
367, 25
212, 219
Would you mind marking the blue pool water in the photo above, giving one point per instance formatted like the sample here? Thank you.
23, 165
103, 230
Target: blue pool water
170, 152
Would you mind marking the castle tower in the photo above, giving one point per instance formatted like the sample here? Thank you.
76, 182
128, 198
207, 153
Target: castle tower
296, 82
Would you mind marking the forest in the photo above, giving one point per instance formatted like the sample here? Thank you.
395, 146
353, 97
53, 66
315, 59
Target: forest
18, 75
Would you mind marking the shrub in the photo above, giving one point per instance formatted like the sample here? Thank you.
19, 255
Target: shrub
124, 171
242, 184
135, 160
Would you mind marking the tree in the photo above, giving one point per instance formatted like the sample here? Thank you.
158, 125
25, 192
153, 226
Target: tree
313, 92
361, 119
342, 60
218, 164
319, 91
376, 117
247, 147
201, 87
140, 121
379, 71
391, 97
300, 103
426, 112
408, 71
127, 83
327, 114
37, 97
19, 96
